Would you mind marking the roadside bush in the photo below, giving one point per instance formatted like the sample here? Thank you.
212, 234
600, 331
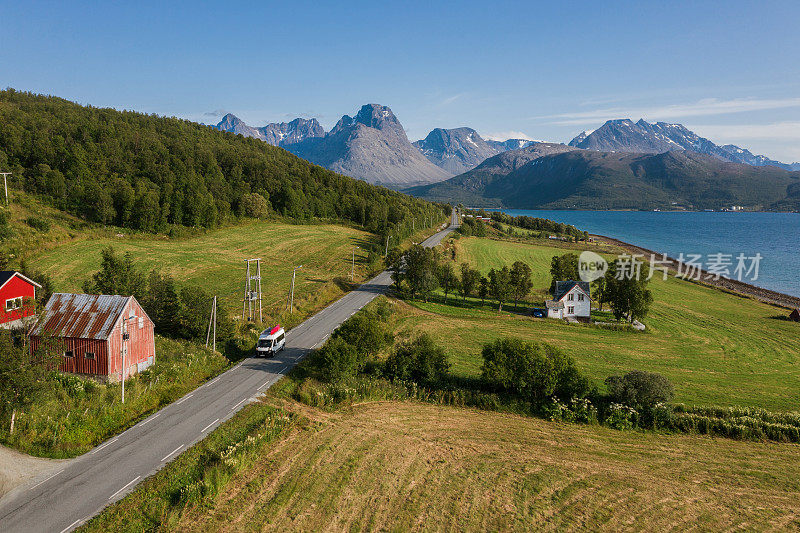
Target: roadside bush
366, 333
535, 371
639, 389
419, 360
472, 227
338, 359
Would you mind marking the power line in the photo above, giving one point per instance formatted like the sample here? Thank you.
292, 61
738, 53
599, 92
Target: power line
212, 325
252, 292
5, 183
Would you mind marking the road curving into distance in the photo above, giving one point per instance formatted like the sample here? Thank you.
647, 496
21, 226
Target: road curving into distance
66, 499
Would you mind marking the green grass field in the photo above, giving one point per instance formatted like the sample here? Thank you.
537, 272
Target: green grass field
716, 348
215, 260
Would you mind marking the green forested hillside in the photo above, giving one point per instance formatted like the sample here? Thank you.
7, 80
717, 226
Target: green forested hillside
149, 172
586, 179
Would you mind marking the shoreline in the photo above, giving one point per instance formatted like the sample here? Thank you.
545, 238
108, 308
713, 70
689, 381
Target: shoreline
506, 209
735, 286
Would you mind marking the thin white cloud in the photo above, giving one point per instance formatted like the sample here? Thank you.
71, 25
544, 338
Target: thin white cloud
505, 135
704, 107
451, 99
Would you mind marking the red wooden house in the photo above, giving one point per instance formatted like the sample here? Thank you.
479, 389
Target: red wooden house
17, 298
94, 334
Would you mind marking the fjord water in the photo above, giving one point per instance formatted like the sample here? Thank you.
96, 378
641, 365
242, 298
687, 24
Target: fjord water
776, 236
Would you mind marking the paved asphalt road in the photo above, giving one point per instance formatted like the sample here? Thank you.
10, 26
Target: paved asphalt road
68, 498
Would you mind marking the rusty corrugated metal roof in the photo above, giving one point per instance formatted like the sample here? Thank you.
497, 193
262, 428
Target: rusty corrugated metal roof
85, 316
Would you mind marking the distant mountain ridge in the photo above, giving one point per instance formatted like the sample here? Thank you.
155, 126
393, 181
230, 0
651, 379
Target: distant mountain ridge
468, 187
276, 134
550, 176
624, 135
455, 150
458, 150
372, 146
509, 144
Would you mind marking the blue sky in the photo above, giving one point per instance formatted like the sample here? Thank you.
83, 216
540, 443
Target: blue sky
728, 70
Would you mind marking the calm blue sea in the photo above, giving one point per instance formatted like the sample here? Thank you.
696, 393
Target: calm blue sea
776, 236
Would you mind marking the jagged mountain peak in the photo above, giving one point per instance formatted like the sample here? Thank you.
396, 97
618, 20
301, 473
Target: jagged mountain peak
623, 135
375, 116
456, 150
230, 119
372, 145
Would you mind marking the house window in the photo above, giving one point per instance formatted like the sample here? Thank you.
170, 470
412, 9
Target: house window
570, 310
13, 303
580, 297
571, 297
88, 355
68, 353
141, 322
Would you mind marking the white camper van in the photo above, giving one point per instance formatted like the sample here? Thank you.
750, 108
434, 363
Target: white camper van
271, 341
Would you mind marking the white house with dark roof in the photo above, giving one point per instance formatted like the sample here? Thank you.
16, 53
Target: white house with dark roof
571, 299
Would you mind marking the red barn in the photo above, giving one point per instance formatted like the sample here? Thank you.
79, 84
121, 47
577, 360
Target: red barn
17, 297
92, 333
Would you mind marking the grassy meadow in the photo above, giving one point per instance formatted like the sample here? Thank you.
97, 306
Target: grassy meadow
214, 260
715, 347
404, 466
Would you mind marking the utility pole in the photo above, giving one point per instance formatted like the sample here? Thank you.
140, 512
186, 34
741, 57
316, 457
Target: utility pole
291, 297
353, 268
125, 337
5, 183
212, 322
252, 291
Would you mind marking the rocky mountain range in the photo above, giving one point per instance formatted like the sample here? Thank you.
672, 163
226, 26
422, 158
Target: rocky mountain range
624, 135
372, 146
458, 150
276, 134
509, 144
455, 150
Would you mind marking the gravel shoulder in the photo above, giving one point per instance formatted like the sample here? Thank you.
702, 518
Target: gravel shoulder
17, 468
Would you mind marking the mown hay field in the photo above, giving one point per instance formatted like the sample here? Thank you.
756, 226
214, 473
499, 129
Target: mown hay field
412, 467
